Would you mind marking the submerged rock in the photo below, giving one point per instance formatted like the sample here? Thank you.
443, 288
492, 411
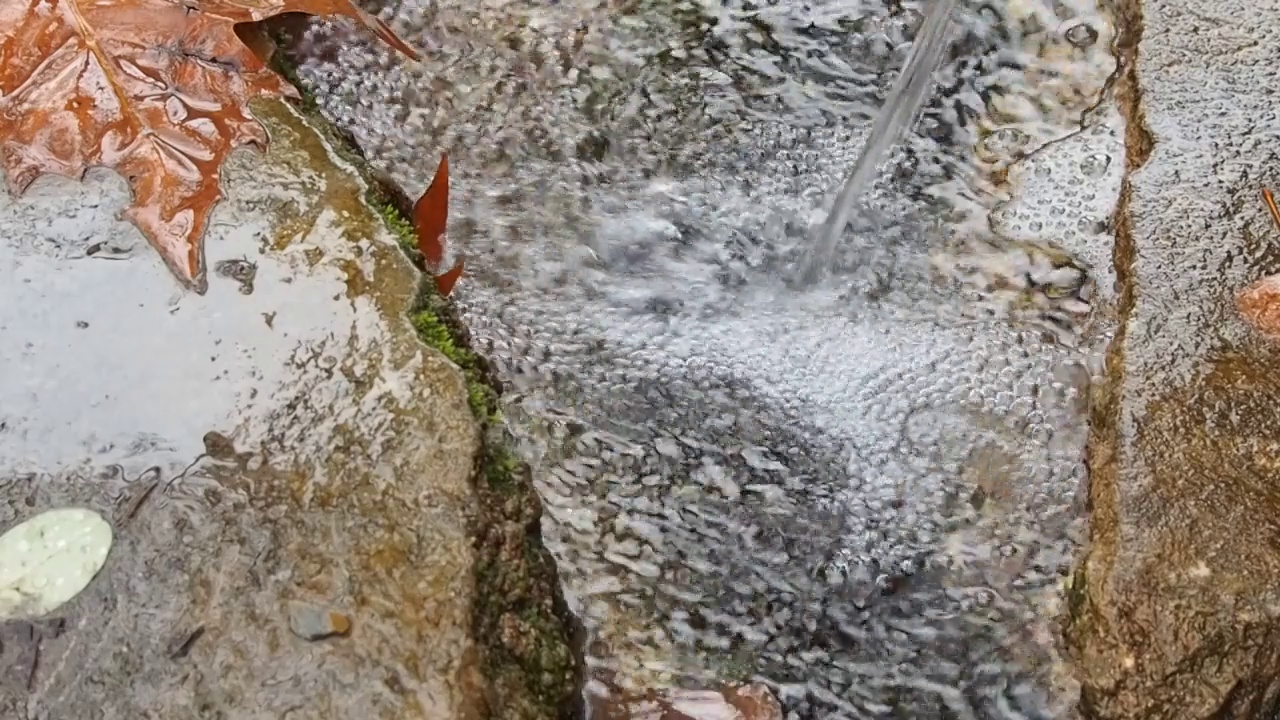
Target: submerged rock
735, 702
310, 622
1176, 611
284, 437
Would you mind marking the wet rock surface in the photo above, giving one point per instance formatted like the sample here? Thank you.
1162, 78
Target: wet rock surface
281, 453
739, 702
862, 494
1176, 608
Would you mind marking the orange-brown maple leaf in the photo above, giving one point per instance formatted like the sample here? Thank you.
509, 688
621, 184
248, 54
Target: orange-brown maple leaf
430, 220
446, 281
156, 89
431, 216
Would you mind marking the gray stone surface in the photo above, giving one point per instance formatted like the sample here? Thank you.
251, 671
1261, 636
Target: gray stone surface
283, 439
1178, 604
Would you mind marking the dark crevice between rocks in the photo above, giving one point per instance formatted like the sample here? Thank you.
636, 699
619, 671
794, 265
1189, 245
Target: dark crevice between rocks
530, 643
1084, 622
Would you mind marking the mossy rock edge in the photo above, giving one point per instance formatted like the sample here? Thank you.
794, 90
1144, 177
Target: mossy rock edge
521, 623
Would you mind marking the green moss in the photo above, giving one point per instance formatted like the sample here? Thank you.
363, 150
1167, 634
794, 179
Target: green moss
548, 661
739, 666
501, 468
435, 331
520, 616
397, 223
1078, 617
290, 73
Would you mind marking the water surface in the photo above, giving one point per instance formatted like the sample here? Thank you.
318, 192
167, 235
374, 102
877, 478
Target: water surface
861, 491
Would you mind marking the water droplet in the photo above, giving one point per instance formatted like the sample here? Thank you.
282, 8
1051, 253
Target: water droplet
1082, 35
1095, 166
1003, 143
1091, 225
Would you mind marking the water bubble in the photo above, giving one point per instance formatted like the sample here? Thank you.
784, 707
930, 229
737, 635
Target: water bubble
1003, 143
1082, 35
1095, 166
1091, 225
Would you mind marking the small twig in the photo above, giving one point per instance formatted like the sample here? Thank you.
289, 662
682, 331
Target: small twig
181, 649
35, 664
1271, 206
136, 503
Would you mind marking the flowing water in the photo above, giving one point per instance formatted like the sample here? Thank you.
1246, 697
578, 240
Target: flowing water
893, 120
863, 491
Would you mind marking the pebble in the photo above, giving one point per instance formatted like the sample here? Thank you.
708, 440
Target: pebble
758, 458
311, 622
667, 447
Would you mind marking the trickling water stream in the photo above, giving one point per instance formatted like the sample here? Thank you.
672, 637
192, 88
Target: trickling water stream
864, 492
893, 120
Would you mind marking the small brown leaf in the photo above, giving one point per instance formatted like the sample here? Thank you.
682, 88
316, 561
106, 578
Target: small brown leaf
156, 89
431, 217
445, 282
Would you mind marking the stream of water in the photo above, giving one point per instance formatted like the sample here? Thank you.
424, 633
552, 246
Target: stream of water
862, 490
891, 123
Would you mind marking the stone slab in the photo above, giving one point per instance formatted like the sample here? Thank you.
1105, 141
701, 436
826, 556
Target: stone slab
282, 442
1177, 608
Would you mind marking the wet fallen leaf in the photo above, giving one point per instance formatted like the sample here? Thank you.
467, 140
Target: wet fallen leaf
48, 559
431, 216
430, 220
1259, 303
156, 89
445, 282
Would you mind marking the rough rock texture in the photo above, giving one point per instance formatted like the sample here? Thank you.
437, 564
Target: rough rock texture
1177, 607
284, 441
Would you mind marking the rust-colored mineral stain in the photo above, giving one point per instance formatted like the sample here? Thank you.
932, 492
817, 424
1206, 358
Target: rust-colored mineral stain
340, 623
157, 90
390, 558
